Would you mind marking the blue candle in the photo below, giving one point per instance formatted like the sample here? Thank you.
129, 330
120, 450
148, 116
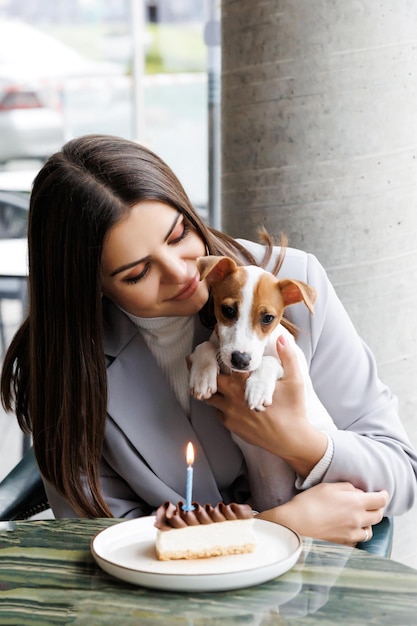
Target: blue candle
189, 485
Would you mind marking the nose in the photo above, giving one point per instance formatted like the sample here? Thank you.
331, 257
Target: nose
173, 269
240, 360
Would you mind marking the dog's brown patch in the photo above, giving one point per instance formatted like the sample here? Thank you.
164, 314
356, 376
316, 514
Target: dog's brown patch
228, 292
267, 300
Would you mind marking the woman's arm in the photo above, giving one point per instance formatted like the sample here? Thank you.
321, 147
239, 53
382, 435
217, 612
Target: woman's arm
336, 511
371, 449
331, 511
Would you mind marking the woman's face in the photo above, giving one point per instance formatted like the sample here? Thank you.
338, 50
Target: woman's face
149, 264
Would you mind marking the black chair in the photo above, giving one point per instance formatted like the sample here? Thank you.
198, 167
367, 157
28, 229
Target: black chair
22, 493
382, 536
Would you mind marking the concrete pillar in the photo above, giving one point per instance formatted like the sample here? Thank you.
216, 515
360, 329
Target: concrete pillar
319, 139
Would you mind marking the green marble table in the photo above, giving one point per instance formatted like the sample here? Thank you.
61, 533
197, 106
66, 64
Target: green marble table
48, 576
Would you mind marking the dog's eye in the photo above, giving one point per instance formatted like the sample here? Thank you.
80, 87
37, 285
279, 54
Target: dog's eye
229, 312
267, 319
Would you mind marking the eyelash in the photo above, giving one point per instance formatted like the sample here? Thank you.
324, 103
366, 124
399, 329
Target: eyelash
136, 279
186, 230
174, 242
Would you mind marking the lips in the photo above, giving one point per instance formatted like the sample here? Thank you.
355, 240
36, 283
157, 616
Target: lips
188, 290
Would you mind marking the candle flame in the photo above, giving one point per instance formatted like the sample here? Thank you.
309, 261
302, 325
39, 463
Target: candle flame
190, 453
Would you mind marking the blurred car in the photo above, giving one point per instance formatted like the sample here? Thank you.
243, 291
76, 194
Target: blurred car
13, 215
15, 187
35, 69
30, 127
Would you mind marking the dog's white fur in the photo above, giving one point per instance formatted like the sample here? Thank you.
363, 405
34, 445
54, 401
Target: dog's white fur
245, 340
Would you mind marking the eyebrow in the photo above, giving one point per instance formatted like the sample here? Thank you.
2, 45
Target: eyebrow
128, 266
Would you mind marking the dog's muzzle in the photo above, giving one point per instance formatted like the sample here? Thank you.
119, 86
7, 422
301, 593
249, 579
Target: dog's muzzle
240, 360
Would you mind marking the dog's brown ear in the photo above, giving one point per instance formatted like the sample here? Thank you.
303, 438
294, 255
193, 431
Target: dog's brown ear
215, 268
293, 291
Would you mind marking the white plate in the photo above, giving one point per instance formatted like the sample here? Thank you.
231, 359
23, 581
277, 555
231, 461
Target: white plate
127, 551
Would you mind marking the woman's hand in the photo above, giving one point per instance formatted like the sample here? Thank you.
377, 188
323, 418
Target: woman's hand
282, 428
336, 512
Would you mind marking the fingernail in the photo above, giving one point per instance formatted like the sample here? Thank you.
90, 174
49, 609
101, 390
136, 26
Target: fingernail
283, 340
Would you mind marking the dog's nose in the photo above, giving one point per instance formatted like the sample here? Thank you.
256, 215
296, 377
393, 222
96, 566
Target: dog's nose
240, 360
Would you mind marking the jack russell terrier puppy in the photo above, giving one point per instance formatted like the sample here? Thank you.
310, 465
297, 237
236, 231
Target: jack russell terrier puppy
249, 303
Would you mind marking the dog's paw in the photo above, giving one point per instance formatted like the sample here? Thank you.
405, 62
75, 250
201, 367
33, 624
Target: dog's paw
203, 372
258, 393
260, 385
203, 383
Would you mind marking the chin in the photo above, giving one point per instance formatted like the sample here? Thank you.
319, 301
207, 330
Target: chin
192, 306
187, 308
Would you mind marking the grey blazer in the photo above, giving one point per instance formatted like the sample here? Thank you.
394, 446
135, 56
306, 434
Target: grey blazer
143, 460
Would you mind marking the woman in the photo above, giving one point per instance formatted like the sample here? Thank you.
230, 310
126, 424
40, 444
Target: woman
97, 372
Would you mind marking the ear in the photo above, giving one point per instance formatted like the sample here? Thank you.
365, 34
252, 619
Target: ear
293, 291
215, 268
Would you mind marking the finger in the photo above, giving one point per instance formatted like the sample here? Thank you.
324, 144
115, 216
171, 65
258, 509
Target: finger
375, 504
384, 497
376, 500
234, 381
365, 534
217, 401
287, 357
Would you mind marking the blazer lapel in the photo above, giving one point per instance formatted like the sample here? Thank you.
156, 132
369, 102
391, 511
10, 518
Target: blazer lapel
146, 410
225, 457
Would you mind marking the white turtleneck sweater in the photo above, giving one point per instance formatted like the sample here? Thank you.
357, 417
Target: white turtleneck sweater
170, 339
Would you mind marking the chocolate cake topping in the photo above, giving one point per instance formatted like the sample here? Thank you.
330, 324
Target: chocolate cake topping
169, 516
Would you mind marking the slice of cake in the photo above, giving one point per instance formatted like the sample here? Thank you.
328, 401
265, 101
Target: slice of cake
204, 532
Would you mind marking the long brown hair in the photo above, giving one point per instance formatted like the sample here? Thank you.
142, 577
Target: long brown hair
54, 374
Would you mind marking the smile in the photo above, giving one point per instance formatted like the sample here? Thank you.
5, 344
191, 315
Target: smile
188, 290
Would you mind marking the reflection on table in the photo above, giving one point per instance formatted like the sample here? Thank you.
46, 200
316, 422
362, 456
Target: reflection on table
48, 576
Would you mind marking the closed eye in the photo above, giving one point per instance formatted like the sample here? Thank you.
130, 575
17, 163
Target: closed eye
135, 279
179, 233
